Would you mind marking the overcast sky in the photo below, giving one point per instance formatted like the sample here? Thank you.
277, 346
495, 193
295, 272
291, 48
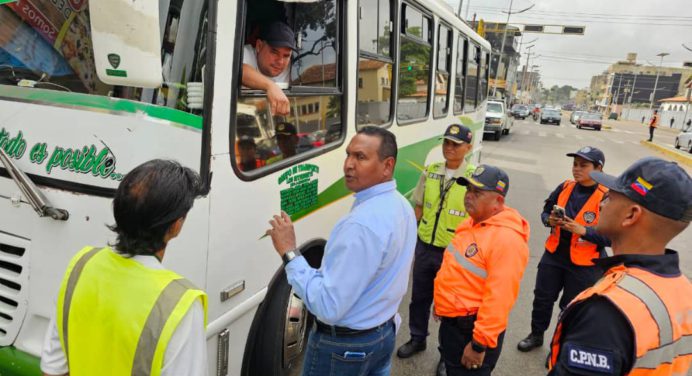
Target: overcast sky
613, 28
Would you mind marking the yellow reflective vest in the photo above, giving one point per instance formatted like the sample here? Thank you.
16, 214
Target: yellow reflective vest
442, 216
116, 316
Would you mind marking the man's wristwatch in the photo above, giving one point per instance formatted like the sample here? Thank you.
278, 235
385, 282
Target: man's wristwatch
290, 255
477, 347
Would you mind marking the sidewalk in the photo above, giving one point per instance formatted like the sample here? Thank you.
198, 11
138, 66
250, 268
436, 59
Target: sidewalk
609, 124
679, 156
663, 142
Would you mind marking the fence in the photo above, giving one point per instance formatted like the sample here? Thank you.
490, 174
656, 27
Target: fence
637, 114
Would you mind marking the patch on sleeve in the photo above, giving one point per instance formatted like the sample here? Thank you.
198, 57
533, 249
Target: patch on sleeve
595, 360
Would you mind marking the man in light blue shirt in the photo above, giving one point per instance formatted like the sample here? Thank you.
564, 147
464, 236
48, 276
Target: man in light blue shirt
356, 293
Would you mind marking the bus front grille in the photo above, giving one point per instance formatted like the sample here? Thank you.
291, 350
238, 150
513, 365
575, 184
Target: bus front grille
13, 281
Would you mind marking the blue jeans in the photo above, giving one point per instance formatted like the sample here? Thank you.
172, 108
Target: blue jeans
325, 354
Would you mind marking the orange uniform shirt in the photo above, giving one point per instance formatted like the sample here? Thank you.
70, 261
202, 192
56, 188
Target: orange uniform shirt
481, 271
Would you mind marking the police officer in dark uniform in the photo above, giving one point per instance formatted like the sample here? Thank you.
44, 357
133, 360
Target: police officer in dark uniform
637, 320
567, 263
439, 208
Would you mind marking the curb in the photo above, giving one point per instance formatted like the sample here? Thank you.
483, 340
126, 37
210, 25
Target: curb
674, 154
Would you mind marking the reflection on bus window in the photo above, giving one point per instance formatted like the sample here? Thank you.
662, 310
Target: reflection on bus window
56, 53
444, 61
414, 70
315, 27
460, 77
484, 77
375, 64
374, 92
471, 77
263, 140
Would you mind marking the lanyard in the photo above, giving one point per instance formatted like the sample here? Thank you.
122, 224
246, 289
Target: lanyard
444, 188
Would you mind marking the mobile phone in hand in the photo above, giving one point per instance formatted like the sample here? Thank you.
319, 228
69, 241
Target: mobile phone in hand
559, 211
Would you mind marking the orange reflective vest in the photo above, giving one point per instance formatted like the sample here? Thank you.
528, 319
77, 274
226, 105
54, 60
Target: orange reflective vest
481, 271
654, 121
659, 310
581, 251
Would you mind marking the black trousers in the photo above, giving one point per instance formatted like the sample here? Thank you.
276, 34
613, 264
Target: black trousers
555, 275
427, 262
455, 334
651, 133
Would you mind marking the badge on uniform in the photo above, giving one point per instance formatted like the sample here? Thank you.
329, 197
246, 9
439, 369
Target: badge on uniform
589, 217
454, 130
595, 360
471, 250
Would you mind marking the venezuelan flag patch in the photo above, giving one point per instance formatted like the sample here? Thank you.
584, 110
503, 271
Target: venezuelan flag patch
641, 186
501, 186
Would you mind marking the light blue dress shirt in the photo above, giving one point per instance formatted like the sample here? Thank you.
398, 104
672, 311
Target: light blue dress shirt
366, 264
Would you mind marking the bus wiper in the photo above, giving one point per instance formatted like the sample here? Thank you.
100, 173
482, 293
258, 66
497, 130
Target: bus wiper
34, 196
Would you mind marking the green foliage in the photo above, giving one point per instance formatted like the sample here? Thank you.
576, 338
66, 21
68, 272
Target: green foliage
557, 94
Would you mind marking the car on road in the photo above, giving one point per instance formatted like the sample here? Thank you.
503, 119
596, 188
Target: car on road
683, 140
590, 120
550, 116
496, 120
520, 111
576, 115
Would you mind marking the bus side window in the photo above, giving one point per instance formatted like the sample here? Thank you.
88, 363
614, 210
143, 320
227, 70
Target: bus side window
375, 63
472, 77
460, 79
444, 61
414, 69
263, 138
485, 60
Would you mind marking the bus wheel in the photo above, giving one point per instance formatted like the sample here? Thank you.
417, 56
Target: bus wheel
279, 334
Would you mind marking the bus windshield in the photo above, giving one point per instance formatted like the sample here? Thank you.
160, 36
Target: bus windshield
47, 45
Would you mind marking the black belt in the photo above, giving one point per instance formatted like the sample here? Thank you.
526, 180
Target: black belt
460, 321
336, 331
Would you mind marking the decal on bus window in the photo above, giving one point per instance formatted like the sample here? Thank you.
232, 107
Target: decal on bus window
99, 162
301, 193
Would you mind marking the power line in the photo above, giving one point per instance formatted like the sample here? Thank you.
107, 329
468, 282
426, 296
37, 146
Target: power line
609, 19
598, 15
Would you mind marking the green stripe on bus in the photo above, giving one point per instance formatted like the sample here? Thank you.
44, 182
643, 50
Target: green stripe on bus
100, 103
407, 172
18, 363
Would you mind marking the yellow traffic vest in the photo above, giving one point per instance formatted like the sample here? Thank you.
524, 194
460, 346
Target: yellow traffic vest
116, 316
441, 217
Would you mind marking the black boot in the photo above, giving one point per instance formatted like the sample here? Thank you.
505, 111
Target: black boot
409, 348
529, 343
441, 369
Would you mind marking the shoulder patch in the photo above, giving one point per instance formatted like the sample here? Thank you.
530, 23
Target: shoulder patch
589, 217
587, 358
471, 250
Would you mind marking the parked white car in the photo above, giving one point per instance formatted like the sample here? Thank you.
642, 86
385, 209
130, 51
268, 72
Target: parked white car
683, 140
496, 119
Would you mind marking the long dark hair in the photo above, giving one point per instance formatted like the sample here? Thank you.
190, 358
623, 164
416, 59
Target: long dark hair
148, 201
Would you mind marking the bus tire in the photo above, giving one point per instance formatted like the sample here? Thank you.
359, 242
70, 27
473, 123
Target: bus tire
279, 332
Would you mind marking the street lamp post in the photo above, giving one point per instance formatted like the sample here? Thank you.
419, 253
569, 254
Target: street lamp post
504, 39
526, 67
658, 72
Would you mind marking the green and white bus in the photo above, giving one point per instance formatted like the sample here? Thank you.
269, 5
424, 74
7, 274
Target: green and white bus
91, 88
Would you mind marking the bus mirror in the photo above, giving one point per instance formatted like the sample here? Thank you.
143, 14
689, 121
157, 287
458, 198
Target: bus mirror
127, 42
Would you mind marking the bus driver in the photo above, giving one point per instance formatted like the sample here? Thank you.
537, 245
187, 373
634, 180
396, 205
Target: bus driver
266, 65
